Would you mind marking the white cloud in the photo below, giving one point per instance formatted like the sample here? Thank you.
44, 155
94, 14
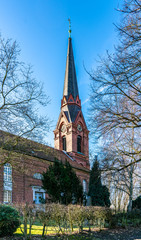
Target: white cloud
85, 101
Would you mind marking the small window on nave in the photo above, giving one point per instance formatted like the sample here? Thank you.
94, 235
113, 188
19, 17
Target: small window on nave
38, 176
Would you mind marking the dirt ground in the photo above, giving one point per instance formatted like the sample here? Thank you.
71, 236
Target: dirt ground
119, 234
109, 234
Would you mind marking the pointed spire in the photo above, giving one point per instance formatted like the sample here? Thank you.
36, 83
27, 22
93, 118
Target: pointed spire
70, 82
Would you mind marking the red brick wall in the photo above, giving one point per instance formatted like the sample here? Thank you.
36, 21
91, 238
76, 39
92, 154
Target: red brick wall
23, 169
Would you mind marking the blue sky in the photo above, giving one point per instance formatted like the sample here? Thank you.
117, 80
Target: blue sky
41, 29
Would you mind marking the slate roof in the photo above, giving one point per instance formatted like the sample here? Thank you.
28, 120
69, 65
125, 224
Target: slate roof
35, 149
70, 82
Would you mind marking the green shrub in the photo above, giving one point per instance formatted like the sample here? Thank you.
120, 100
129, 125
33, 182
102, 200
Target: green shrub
100, 215
58, 217
135, 213
124, 219
9, 220
81, 216
76, 216
137, 203
28, 215
113, 222
45, 216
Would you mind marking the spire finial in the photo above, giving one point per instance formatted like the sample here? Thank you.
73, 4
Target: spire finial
69, 28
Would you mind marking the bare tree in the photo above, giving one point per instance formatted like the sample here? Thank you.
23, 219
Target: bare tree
21, 96
123, 184
120, 151
115, 112
116, 85
119, 199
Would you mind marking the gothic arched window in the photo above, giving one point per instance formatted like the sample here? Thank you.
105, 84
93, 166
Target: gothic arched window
64, 143
7, 191
79, 140
7, 173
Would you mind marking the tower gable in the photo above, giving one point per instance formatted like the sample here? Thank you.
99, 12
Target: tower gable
62, 118
80, 119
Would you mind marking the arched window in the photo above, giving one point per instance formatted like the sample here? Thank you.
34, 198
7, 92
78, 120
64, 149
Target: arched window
84, 186
7, 173
7, 191
38, 176
79, 143
64, 143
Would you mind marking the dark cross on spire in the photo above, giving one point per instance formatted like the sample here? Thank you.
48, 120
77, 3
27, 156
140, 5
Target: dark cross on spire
69, 28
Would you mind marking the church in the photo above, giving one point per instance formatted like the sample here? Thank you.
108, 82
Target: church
24, 162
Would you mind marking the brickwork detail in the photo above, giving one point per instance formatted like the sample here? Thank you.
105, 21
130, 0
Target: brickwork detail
23, 172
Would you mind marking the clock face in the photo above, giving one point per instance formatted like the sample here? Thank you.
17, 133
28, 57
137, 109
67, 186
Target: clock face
79, 128
63, 128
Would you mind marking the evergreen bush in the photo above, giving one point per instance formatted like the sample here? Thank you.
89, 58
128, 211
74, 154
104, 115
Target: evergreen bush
99, 193
62, 184
9, 220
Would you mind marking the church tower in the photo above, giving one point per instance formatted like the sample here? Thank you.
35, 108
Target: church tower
71, 133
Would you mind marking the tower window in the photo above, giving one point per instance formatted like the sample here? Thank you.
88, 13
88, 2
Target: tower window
78, 143
64, 143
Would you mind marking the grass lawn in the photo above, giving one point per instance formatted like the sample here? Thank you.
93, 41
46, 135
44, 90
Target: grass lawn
50, 230
52, 233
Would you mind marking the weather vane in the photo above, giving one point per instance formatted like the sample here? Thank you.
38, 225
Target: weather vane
69, 28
